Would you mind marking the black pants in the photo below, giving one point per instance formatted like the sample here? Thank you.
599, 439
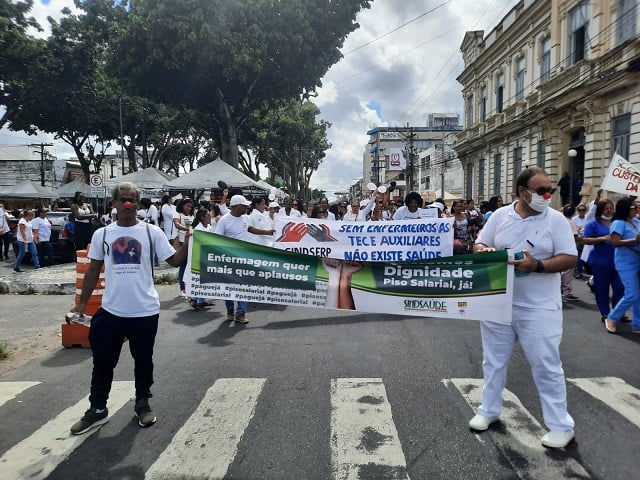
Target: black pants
82, 232
6, 241
106, 335
45, 249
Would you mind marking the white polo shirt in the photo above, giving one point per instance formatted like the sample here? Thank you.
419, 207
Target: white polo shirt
544, 235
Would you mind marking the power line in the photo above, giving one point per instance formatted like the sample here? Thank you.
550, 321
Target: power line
397, 28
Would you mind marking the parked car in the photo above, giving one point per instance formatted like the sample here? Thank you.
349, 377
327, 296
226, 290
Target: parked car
64, 250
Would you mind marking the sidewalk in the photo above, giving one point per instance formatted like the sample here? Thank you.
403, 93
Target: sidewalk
55, 280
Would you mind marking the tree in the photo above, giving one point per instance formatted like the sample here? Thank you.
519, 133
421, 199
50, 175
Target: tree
76, 103
21, 57
286, 137
226, 58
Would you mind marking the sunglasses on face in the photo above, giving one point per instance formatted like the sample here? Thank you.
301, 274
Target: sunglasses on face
542, 190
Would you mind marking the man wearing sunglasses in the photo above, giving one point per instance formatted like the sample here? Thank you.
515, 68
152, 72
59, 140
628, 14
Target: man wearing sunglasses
546, 241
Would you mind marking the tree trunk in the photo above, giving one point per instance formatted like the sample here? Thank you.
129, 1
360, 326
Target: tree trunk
227, 130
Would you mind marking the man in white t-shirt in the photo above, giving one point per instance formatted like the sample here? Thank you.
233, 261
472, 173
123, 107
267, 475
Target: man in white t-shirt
235, 224
130, 304
545, 239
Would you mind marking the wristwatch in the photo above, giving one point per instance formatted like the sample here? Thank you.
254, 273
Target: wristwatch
539, 267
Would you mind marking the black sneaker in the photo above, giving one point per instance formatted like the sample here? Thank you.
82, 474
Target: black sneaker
146, 417
92, 418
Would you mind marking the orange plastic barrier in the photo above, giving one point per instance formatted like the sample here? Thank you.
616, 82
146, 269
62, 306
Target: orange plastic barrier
74, 335
95, 300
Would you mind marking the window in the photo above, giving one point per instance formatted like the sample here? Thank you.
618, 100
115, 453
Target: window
542, 153
545, 60
517, 164
626, 23
499, 92
497, 173
621, 133
470, 110
520, 79
481, 176
578, 32
517, 160
469, 181
483, 103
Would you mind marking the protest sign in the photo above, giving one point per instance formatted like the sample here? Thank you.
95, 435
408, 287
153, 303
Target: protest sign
621, 177
399, 241
473, 287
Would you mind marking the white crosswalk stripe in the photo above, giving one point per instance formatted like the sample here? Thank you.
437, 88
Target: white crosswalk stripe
364, 440
9, 390
615, 393
521, 436
38, 455
207, 443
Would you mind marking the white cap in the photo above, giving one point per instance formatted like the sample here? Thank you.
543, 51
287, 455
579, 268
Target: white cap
364, 203
437, 205
274, 205
239, 200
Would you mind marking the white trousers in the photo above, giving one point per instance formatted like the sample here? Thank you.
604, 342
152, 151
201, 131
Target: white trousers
539, 333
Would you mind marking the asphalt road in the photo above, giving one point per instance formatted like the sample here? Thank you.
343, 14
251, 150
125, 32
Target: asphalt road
297, 361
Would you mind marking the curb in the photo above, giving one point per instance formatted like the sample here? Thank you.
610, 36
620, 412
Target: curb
60, 280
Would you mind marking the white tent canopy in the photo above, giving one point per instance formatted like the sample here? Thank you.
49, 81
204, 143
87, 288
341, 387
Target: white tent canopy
68, 190
148, 178
29, 189
208, 176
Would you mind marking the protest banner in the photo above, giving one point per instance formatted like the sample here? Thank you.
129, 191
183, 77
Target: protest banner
393, 241
473, 287
621, 177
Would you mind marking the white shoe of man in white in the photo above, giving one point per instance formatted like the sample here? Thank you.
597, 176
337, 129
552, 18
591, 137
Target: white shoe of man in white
481, 423
557, 439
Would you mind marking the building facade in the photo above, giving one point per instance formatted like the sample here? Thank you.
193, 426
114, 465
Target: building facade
394, 153
554, 84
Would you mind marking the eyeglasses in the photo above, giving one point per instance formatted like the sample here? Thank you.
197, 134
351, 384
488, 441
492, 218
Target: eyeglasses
582, 209
542, 190
132, 200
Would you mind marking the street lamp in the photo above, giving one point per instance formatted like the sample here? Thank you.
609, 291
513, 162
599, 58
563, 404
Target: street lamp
572, 153
120, 99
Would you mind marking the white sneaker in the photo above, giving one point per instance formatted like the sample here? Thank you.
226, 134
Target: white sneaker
481, 423
557, 439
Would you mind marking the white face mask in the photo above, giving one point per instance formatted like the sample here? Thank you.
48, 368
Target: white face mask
538, 202
606, 217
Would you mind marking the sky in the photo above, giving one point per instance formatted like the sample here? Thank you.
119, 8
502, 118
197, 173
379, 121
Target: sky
399, 66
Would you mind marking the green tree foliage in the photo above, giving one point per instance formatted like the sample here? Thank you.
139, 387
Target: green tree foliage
226, 58
288, 140
75, 103
21, 58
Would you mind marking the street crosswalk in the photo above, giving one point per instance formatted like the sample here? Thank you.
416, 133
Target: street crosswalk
362, 437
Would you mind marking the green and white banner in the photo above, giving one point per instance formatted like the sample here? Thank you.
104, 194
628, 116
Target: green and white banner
473, 287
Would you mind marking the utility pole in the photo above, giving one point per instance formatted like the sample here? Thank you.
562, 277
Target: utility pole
42, 154
409, 136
